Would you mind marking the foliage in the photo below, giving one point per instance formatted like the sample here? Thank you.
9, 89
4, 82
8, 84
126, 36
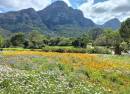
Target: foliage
125, 30
81, 42
94, 33
63, 49
110, 39
98, 50
35, 40
1, 41
60, 41
18, 40
36, 72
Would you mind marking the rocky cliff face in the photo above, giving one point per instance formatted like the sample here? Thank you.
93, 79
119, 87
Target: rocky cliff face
60, 14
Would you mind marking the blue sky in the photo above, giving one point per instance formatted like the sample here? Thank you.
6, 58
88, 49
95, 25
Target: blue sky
98, 10
96, 1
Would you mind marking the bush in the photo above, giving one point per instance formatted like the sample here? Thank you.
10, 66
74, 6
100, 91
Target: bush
63, 49
98, 50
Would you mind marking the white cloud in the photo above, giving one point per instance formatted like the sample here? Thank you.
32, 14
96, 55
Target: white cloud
67, 1
103, 11
23, 4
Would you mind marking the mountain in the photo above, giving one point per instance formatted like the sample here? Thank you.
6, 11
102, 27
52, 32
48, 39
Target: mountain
56, 20
21, 21
4, 33
113, 24
58, 13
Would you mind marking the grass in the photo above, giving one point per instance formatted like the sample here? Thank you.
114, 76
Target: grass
66, 49
122, 58
33, 72
62, 47
15, 49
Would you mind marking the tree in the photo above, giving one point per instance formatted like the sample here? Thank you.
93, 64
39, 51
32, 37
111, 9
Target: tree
110, 39
81, 42
18, 40
1, 41
116, 43
125, 34
36, 40
125, 30
7, 43
105, 39
54, 41
95, 33
60, 41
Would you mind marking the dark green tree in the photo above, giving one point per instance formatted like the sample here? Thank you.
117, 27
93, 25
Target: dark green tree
7, 43
110, 39
116, 43
1, 41
36, 40
82, 41
105, 38
95, 33
125, 30
60, 41
18, 40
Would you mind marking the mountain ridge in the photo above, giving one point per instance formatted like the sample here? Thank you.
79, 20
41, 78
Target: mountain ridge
113, 24
56, 17
60, 14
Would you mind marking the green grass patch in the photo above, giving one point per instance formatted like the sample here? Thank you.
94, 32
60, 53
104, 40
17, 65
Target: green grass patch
15, 49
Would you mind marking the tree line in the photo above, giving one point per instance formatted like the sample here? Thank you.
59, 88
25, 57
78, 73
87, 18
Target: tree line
117, 40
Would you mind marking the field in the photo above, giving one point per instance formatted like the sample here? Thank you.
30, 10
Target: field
33, 72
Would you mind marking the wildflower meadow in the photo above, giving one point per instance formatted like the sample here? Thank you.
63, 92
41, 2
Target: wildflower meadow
33, 72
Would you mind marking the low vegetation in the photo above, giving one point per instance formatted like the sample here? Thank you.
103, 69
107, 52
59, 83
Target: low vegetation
64, 49
34, 72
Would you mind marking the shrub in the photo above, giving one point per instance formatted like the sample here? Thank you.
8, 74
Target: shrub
63, 49
99, 50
